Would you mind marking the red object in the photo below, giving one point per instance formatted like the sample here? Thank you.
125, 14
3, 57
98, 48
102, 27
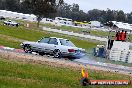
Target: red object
71, 50
19, 50
118, 36
86, 75
1, 47
123, 36
115, 38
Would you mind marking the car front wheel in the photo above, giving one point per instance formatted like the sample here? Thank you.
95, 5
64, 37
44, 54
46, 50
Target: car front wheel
27, 49
57, 54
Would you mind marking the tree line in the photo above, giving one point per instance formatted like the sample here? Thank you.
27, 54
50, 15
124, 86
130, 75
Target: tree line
65, 10
74, 12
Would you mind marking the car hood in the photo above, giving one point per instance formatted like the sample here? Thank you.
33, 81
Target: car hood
28, 42
14, 23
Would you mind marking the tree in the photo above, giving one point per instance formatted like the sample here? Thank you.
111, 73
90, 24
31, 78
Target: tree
94, 14
75, 8
12, 5
65, 11
25, 7
110, 15
121, 16
52, 8
129, 18
43, 8
2, 4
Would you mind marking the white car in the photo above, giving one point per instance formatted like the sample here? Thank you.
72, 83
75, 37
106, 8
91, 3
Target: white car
58, 47
2, 18
11, 23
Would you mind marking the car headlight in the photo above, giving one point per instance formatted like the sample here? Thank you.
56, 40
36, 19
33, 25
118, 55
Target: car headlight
21, 44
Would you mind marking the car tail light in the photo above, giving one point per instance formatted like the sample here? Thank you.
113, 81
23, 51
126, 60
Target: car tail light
71, 50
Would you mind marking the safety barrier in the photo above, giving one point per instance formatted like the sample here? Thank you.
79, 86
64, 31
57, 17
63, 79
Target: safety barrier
115, 55
130, 57
121, 55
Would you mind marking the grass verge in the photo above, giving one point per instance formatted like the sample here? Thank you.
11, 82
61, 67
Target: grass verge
23, 75
34, 35
79, 30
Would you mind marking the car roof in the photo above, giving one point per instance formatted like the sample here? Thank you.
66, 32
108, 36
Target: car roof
56, 38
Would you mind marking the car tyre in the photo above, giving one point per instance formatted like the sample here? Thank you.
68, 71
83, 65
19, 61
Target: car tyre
41, 53
27, 49
57, 54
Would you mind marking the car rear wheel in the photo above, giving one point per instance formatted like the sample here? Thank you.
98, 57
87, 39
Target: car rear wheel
27, 49
41, 53
57, 54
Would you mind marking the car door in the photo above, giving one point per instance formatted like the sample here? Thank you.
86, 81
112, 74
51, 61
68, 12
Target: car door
43, 44
52, 45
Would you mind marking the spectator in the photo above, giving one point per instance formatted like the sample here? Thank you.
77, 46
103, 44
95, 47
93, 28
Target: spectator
117, 36
85, 80
123, 35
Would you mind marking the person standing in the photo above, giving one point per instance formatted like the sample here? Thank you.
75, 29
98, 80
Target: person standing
117, 36
123, 35
84, 80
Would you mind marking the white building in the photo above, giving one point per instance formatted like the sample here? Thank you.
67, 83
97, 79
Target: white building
47, 20
63, 21
95, 24
121, 26
10, 14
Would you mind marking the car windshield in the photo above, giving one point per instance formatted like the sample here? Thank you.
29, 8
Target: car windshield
66, 43
44, 40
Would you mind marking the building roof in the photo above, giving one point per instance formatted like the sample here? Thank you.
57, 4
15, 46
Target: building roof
121, 25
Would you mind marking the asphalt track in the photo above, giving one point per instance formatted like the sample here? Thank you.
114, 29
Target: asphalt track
86, 61
108, 66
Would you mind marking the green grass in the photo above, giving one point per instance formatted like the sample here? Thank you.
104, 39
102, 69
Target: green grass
9, 43
82, 30
20, 33
34, 35
63, 27
101, 33
23, 75
79, 30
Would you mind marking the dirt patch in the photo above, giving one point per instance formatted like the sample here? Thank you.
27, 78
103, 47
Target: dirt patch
28, 58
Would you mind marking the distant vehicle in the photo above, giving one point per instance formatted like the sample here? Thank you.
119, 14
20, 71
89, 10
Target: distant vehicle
63, 21
96, 24
2, 18
58, 47
24, 18
11, 23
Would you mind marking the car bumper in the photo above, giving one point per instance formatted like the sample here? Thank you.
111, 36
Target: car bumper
74, 55
22, 45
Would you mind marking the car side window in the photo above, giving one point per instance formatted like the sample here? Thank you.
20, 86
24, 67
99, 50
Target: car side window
66, 43
53, 41
44, 40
